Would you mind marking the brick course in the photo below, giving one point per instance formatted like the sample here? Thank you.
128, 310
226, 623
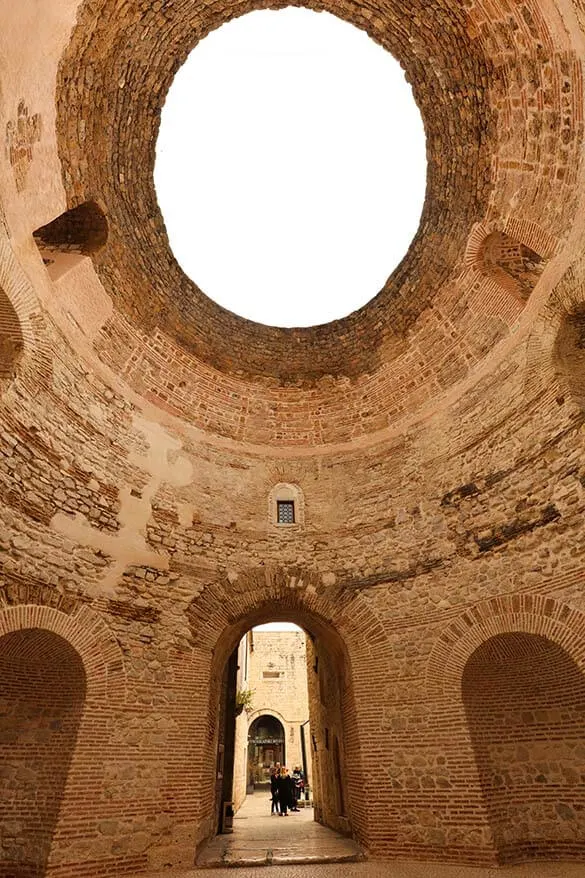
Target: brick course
436, 438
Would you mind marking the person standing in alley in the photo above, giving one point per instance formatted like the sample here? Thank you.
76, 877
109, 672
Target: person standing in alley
285, 791
298, 779
274, 775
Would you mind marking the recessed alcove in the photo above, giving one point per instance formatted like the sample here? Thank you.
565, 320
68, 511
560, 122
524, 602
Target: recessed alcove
78, 232
525, 702
43, 693
514, 265
11, 340
569, 354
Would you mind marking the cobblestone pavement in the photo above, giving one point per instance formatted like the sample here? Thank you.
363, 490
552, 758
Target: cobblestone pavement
260, 838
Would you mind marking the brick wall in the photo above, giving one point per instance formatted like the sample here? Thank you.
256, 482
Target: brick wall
436, 438
43, 695
525, 701
11, 341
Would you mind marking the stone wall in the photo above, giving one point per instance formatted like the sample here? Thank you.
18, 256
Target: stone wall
423, 537
436, 440
330, 728
241, 780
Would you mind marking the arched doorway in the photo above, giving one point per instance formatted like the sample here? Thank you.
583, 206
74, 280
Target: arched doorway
331, 713
266, 746
347, 648
524, 698
43, 685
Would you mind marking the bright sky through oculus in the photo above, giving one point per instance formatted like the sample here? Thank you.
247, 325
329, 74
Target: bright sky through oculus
290, 166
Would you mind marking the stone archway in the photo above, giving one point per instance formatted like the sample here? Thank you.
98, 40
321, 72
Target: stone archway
349, 648
329, 684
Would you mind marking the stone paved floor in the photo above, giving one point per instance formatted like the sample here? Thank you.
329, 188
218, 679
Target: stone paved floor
298, 836
261, 839
393, 869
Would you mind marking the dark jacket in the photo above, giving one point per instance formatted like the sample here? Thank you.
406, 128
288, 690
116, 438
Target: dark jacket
285, 790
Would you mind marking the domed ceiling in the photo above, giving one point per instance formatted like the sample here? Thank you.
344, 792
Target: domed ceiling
499, 90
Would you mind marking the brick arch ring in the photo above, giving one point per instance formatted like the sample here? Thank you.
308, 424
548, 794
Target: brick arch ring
225, 609
245, 598
541, 370
523, 613
88, 634
352, 635
20, 295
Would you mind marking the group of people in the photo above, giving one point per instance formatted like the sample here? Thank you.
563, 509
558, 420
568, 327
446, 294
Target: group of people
285, 789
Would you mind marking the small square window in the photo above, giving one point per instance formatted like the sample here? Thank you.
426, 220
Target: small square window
285, 511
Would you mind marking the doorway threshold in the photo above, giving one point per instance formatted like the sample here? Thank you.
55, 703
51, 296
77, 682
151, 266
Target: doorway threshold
262, 839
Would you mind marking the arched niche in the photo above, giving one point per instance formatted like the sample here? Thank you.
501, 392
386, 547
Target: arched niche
524, 698
43, 696
511, 263
569, 354
11, 340
80, 231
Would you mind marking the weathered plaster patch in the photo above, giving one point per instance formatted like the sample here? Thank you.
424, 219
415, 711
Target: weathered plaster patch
21, 135
128, 546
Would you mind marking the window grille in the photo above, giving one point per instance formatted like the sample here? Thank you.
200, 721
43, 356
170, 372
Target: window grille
285, 510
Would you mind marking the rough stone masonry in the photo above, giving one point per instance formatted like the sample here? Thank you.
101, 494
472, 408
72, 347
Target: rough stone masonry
432, 443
